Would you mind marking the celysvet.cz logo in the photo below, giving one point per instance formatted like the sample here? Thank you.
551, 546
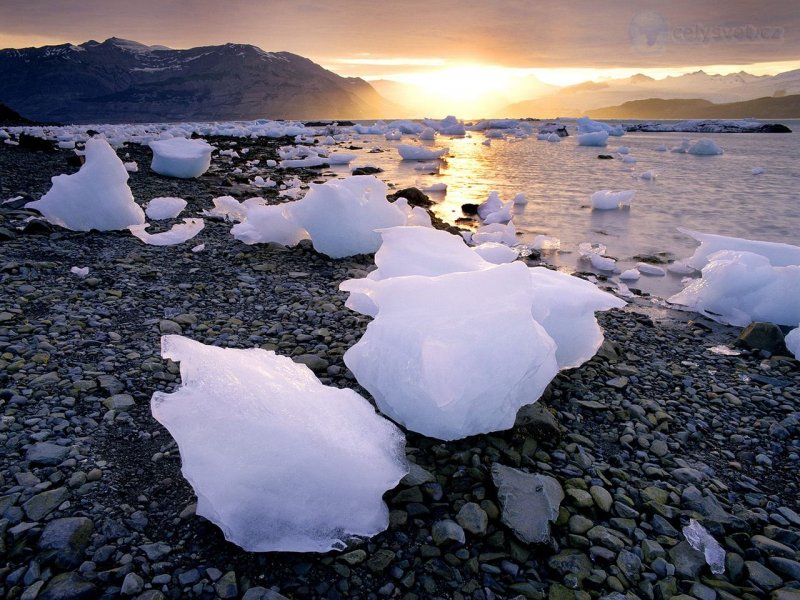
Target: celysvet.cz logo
651, 33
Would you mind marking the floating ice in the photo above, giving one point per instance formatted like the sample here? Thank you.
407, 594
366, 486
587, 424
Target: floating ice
490, 205
80, 271
341, 215
451, 376
415, 215
520, 200
393, 135
680, 267
705, 147
340, 158
496, 253
289, 464
181, 157
648, 175
778, 254
595, 138
661, 148
553, 137
607, 199
546, 242
623, 150
409, 152
594, 253
496, 232
649, 269
96, 197
587, 125
435, 187
264, 224
758, 171
701, 540
178, 234
164, 208
741, 287
630, 275
628, 160
429, 134
683, 148
792, 341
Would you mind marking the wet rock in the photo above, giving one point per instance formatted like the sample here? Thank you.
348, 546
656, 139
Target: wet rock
41, 505
761, 336
66, 540
46, 454
762, 576
473, 518
529, 502
447, 531
68, 586
540, 421
688, 561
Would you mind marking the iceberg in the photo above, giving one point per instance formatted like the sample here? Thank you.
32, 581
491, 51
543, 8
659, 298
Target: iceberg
409, 152
164, 208
264, 224
594, 138
587, 125
181, 157
463, 349
778, 254
739, 287
608, 200
96, 197
341, 215
178, 234
704, 147
290, 464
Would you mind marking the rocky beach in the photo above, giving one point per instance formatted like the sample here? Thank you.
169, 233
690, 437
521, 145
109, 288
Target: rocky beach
667, 423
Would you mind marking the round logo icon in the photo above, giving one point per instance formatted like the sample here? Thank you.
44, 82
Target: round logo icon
648, 32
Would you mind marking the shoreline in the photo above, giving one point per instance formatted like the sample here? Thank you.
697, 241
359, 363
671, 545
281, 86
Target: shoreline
665, 429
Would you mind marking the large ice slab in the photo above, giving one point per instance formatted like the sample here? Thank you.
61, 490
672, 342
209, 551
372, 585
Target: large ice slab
741, 287
410, 152
96, 197
278, 461
454, 355
341, 215
779, 255
593, 138
181, 157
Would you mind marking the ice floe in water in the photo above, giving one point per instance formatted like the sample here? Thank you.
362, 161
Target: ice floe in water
96, 197
593, 138
741, 287
702, 541
164, 208
609, 200
705, 147
409, 152
778, 254
587, 125
181, 157
179, 233
289, 464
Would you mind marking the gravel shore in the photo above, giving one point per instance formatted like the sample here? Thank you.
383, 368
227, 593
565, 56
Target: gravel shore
653, 431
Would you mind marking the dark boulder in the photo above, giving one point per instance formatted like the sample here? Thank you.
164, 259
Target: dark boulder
414, 196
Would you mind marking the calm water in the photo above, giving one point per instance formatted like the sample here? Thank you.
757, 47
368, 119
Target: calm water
716, 194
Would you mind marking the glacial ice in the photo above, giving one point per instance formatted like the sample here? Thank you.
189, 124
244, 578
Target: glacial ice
81, 272
649, 269
96, 197
607, 199
164, 208
520, 200
741, 287
264, 224
289, 464
792, 341
490, 205
178, 233
495, 253
705, 147
341, 215
428, 134
587, 125
594, 138
702, 541
181, 157
778, 254
496, 232
409, 152
630, 275
472, 358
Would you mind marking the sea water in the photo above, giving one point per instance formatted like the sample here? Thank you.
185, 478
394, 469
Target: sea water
715, 194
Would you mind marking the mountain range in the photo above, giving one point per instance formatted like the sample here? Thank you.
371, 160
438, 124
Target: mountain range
781, 107
124, 81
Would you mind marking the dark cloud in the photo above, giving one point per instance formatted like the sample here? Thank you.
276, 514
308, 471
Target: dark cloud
550, 33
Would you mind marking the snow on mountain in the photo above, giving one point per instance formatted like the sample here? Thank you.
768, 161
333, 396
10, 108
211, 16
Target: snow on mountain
124, 81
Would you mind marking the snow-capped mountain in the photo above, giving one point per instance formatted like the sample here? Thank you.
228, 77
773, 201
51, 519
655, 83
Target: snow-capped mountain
124, 81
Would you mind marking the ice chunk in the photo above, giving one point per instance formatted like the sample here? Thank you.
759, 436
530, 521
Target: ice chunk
415, 215
264, 224
701, 540
340, 158
429, 134
741, 287
464, 350
587, 125
178, 234
496, 253
623, 150
792, 341
289, 464
680, 267
436, 187
131, 167
630, 275
649, 269
628, 160
520, 200
778, 254
648, 175
409, 152
683, 148
341, 215
546, 242
595, 138
705, 147
96, 197
490, 205
607, 199
164, 208
661, 148
80, 271
199, 248
594, 253
181, 157
758, 171
496, 232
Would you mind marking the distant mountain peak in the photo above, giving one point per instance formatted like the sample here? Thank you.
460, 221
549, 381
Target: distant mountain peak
641, 78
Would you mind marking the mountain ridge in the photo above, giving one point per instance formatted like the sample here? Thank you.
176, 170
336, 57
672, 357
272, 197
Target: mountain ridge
783, 107
121, 80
